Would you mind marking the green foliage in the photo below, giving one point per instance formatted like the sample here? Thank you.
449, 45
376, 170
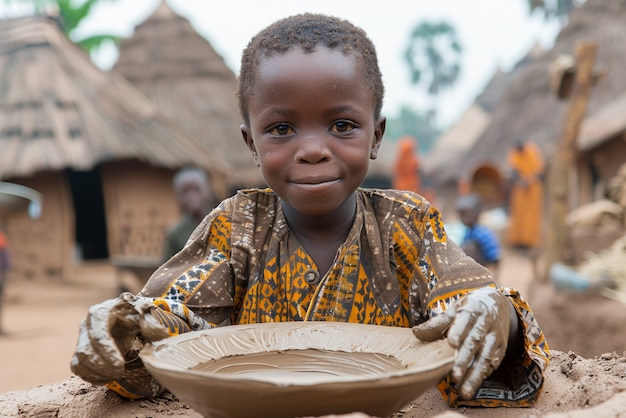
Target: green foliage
433, 56
73, 15
413, 123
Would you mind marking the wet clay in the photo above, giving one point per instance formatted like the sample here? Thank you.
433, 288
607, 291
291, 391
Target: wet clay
305, 366
108, 341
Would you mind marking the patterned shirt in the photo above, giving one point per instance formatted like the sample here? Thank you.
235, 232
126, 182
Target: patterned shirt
396, 268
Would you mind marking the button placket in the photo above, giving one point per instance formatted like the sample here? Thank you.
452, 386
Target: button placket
312, 276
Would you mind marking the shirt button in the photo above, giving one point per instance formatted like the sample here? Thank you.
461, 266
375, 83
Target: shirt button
312, 276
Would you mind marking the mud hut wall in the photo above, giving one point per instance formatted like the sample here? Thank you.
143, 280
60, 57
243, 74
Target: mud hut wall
584, 189
140, 206
43, 247
606, 160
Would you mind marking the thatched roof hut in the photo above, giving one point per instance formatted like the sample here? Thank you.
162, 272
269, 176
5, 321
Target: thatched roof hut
101, 154
182, 74
528, 110
450, 147
60, 111
452, 157
448, 166
525, 107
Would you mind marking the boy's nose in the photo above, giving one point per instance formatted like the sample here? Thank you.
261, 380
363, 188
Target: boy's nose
312, 150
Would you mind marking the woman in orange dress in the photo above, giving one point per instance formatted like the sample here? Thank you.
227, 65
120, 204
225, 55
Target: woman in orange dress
526, 201
406, 169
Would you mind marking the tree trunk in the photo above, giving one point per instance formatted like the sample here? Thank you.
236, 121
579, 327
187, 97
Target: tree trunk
560, 171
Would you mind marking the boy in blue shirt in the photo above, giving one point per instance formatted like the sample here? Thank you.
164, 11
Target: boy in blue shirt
479, 241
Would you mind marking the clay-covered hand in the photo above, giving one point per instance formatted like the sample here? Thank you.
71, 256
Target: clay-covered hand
478, 328
111, 337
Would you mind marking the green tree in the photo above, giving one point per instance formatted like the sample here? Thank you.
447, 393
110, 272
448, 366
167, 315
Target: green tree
71, 14
433, 55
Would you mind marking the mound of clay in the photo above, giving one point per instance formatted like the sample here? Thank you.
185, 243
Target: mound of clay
575, 387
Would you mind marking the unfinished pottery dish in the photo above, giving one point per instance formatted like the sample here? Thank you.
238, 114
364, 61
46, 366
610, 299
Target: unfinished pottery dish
297, 369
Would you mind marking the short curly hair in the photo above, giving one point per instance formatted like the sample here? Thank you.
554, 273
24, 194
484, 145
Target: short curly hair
307, 31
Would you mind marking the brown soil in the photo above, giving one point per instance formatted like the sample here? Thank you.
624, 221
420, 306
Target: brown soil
587, 323
40, 322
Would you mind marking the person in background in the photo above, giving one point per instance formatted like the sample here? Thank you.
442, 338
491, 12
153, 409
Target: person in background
4, 269
526, 201
314, 246
406, 170
194, 196
479, 241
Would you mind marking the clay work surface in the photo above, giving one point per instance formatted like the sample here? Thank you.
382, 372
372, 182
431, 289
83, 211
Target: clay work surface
41, 324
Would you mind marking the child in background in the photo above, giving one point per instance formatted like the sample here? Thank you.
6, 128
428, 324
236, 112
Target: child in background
194, 196
316, 247
479, 241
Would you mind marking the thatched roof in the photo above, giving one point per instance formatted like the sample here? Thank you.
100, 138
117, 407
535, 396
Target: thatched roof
450, 147
180, 71
528, 110
57, 110
608, 121
447, 159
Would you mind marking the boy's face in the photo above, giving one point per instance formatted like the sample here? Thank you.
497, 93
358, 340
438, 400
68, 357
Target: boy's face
469, 216
312, 126
193, 195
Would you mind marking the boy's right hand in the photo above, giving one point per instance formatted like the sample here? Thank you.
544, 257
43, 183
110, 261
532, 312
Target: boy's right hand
111, 337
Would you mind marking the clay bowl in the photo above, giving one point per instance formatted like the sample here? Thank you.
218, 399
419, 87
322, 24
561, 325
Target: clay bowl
296, 369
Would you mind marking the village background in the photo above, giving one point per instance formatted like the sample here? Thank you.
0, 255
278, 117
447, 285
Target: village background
97, 145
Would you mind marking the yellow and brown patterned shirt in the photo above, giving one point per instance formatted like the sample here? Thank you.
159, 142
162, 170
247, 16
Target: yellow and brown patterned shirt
396, 268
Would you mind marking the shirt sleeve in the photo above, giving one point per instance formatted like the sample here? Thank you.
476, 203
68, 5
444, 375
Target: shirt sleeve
197, 284
191, 291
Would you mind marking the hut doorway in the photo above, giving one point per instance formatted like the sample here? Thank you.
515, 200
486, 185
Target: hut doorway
89, 214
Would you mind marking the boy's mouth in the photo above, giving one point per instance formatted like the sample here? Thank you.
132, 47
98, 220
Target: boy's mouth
315, 184
313, 181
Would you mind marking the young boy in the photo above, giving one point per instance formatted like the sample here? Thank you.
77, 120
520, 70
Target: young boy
479, 241
316, 247
193, 193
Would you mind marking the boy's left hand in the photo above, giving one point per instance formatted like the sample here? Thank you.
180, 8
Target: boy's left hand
478, 328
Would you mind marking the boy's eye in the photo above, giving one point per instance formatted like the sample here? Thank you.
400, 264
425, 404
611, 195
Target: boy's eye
281, 129
342, 126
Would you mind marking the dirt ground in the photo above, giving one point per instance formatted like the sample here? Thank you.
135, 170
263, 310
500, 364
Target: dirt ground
40, 323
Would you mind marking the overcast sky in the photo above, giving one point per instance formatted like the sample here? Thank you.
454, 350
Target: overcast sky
493, 33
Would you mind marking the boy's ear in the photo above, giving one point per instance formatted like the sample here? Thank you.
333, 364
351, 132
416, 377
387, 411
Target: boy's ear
247, 137
249, 141
379, 131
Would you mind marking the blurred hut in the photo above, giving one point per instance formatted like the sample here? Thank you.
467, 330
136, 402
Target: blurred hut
168, 61
100, 153
529, 110
448, 165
